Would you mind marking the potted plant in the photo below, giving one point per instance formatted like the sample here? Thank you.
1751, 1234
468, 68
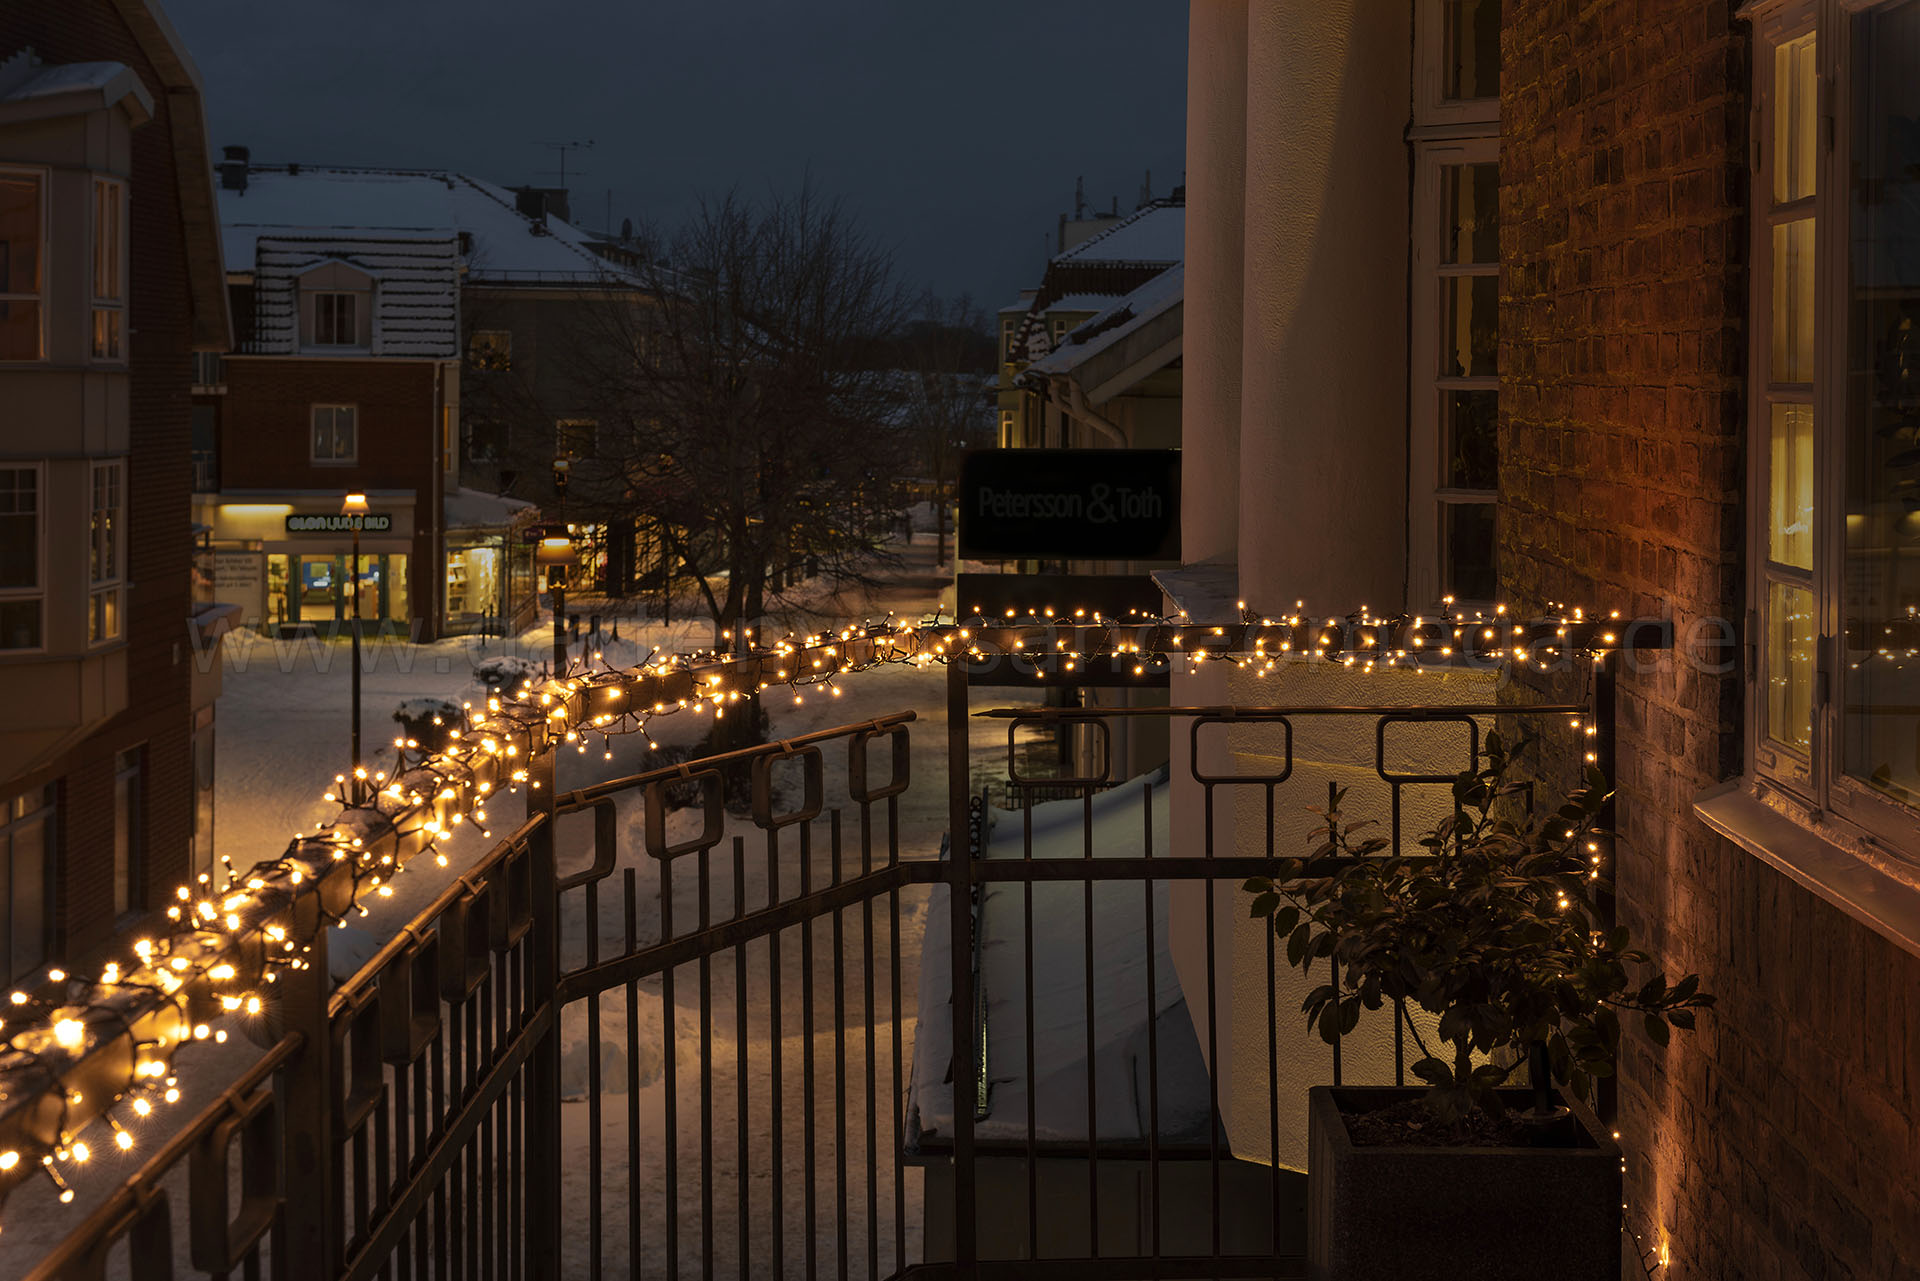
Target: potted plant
1492, 930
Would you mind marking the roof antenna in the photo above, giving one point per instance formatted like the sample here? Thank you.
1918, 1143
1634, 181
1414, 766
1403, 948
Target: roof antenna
1079, 198
563, 148
1146, 191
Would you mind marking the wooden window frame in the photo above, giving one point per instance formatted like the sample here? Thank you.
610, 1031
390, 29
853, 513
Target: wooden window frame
107, 594
38, 591
353, 456
43, 179
1811, 787
107, 319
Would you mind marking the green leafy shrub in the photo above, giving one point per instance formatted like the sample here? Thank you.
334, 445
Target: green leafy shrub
1492, 927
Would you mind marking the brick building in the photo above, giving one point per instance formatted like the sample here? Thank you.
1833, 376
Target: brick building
108, 661
1617, 304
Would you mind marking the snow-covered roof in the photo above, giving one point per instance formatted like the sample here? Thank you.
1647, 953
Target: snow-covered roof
1122, 1005
416, 308
476, 509
505, 244
1155, 233
1117, 322
1081, 302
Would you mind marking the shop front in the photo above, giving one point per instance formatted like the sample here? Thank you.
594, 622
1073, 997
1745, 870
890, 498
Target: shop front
288, 560
489, 565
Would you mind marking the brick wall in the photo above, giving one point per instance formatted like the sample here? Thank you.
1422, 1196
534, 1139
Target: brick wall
159, 521
1779, 1140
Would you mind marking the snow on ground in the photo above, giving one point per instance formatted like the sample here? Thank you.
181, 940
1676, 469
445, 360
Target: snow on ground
282, 736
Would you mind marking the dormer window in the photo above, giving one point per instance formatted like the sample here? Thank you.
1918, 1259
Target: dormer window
336, 308
334, 321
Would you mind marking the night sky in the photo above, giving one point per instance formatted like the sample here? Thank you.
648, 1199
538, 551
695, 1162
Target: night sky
955, 131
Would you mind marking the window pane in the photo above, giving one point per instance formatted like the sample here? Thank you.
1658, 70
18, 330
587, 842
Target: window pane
1790, 486
1472, 326
1793, 302
19, 234
1795, 113
19, 527
1880, 730
1469, 554
1473, 49
27, 894
19, 624
19, 327
1790, 665
1472, 194
1471, 419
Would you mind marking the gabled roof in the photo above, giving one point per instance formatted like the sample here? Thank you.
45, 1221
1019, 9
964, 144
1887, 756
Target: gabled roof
33, 90
1139, 325
1155, 233
193, 165
504, 245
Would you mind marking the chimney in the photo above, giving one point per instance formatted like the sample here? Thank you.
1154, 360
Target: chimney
531, 202
233, 169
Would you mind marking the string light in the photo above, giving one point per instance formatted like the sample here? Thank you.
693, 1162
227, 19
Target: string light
216, 923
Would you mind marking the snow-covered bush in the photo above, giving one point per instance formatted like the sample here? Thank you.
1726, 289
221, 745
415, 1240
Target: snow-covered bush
504, 673
428, 721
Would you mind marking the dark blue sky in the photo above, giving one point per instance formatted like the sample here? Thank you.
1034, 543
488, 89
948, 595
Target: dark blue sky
955, 131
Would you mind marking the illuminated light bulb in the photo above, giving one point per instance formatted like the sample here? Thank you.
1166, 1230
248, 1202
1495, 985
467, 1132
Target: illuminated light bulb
173, 1094
70, 1033
141, 1107
8, 1160
123, 1140
200, 1031
81, 1152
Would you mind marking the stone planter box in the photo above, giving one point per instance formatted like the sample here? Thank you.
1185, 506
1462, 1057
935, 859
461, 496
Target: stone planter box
1440, 1214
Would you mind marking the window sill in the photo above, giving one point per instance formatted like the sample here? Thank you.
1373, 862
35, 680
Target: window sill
1822, 860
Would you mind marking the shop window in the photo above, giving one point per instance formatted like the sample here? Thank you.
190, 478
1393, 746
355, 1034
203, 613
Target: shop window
1834, 594
129, 830
22, 236
106, 553
20, 556
109, 269
335, 434
26, 881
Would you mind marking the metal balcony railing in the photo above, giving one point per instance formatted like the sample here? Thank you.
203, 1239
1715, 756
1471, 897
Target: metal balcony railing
810, 1046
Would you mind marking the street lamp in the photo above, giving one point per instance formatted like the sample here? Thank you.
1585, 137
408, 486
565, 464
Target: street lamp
354, 508
556, 553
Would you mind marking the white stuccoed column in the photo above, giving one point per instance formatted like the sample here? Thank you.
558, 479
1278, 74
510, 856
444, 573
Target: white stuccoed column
1216, 199
1323, 402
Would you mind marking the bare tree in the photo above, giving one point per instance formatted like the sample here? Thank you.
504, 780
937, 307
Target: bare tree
947, 351
743, 423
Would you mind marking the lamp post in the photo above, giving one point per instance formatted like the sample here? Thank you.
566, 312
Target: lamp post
354, 508
556, 553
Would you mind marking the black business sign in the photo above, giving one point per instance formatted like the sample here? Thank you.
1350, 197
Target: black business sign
1079, 504
337, 523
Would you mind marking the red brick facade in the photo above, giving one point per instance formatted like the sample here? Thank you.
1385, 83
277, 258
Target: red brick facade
159, 546
1780, 1139
265, 426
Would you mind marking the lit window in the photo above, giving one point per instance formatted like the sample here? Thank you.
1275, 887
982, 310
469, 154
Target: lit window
1454, 379
20, 540
22, 217
26, 880
106, 552
335, 434
335, 319
577, 437
1835, 415
491, 349
109, 270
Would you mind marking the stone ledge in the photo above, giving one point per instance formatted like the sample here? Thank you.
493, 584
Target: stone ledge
1815, 861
